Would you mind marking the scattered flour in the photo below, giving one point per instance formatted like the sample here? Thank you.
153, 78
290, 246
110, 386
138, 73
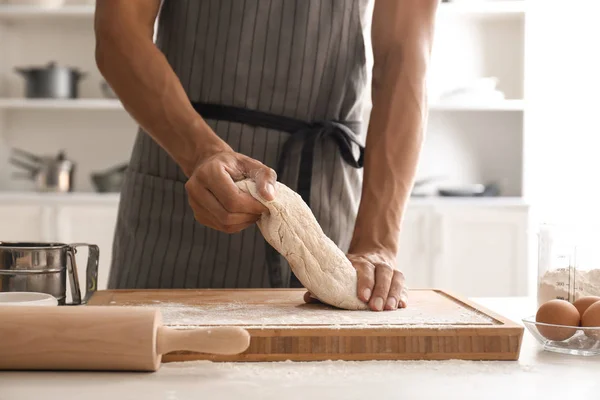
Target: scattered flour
291, 315
568, 284
257, 315
361, 370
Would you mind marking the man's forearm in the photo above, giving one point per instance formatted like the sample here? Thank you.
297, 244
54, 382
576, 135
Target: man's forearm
146, 84
396, 127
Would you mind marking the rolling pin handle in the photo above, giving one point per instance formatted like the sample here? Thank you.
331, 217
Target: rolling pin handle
218, 340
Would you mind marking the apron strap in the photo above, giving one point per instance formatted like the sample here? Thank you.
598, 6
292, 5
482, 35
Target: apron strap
343, 133
308, 133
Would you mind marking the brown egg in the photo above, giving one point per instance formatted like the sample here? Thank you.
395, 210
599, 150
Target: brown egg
592, 318
583, 303
557, 312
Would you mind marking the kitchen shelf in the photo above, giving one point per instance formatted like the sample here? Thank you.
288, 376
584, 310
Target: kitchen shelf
113, 198
54, 104
110, 104
54, 199
477, 8
499, 201
504, 105
483, 8
25, 12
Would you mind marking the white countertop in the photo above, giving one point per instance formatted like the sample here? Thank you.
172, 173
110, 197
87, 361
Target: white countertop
537, 375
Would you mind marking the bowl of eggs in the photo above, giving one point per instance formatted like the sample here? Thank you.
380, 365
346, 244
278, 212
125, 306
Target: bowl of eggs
569, 328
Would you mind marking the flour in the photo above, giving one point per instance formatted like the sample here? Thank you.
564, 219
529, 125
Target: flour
427, 309
290, 316
323, 371
568, 284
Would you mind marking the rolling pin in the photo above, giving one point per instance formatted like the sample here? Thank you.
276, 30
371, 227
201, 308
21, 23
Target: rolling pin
102, 338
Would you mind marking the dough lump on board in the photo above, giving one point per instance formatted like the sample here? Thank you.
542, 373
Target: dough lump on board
291, 228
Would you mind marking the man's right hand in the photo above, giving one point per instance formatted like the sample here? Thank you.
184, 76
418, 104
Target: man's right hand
215, 199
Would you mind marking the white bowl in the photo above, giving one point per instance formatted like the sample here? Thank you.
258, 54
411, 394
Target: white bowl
27, 299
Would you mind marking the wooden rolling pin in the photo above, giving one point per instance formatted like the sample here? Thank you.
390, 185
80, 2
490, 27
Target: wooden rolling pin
102, 338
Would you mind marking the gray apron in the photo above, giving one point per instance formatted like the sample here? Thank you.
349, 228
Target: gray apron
300, 59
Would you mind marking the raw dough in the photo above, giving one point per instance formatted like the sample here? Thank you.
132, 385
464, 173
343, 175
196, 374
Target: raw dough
291, 228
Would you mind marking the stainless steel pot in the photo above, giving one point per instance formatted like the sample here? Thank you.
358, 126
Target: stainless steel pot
43, 268
50, 174
51, 81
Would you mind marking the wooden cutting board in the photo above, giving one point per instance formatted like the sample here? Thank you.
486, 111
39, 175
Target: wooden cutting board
435, 326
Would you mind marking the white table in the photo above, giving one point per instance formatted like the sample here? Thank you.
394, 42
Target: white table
537, 375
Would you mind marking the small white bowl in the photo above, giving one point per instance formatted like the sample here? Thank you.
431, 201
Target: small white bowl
27, 299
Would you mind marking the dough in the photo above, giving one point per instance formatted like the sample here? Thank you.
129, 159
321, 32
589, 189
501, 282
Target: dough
319, 264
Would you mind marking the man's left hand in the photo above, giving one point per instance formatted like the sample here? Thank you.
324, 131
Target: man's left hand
379, 284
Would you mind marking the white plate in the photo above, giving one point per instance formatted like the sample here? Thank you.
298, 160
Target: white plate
27, 299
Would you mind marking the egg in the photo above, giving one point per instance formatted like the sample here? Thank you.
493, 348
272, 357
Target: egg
557, 312
592, 318
583, 303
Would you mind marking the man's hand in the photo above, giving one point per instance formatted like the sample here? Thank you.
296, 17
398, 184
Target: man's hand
215, 199
379, 285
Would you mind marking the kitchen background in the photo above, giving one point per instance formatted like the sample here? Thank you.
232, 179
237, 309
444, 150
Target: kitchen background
509, 142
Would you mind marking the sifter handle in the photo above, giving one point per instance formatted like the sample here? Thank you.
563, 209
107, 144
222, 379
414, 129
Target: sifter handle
218, 340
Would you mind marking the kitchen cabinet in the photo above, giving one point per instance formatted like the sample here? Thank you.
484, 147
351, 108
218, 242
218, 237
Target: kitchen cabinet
480, 252
413, 255
63, 218
22, 223
89, 224
475, 247
474, 250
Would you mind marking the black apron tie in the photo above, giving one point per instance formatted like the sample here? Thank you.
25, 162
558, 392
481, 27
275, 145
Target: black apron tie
308, 133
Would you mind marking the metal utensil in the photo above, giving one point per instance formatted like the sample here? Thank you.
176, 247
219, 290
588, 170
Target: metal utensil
475, 189
43, 267
107, 91
51, 174
51, 81
110, 180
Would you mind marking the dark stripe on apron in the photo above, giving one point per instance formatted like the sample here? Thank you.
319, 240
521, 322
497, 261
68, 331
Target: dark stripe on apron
343, 133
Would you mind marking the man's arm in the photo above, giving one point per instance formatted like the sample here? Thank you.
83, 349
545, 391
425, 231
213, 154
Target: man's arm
402, 35
151, 92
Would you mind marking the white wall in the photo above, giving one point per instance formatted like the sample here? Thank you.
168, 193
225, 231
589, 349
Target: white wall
562, 145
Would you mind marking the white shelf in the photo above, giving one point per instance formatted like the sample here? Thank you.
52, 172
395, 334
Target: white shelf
113, 198
483, 8
53, 104
110, 104
504, 105
53, 199
499, 201
18, 12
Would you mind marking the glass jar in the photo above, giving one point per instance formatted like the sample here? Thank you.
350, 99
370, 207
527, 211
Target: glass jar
568, 263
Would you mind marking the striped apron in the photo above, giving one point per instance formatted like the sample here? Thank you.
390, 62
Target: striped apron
299, 59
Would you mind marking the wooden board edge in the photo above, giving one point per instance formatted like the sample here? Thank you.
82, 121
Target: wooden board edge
479, 308
506, 356
325, 331
101, 298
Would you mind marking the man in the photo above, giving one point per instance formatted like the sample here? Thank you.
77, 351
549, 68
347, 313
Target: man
238, 88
